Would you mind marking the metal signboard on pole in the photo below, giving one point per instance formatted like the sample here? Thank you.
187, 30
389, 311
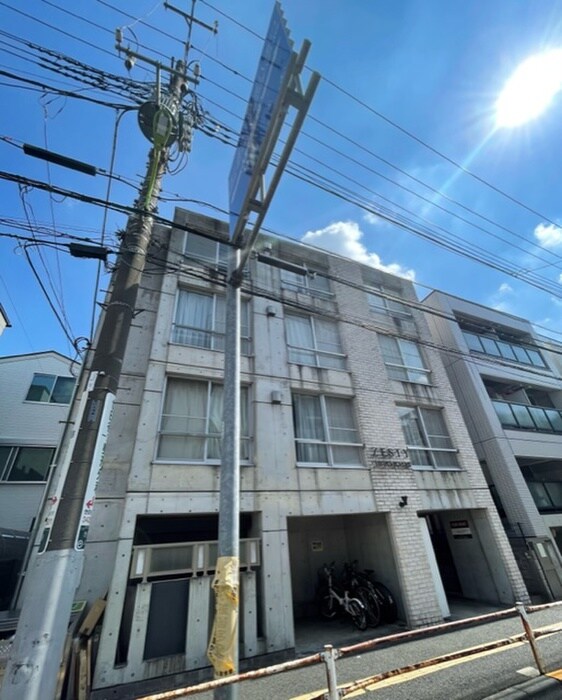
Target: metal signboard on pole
270, 78
276, 88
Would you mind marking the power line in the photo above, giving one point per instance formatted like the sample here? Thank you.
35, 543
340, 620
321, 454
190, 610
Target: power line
59, 91
400, 128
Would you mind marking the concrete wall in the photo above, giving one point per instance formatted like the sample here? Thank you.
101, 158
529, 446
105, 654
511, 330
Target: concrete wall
354, 510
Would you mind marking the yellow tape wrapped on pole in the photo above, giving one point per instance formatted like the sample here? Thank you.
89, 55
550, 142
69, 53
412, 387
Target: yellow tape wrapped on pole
224, 638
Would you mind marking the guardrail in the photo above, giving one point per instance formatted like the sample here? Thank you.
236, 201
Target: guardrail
330, 655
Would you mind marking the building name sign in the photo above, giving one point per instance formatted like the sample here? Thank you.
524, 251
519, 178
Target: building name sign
389, 457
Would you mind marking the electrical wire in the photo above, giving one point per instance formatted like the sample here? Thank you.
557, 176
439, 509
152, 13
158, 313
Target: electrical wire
297, 164
400, 128
119, 115
62, 324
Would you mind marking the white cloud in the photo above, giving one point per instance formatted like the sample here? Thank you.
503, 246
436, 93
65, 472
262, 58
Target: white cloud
344, 238
503, 306
548, 235
498, 300
371, 218
560, 278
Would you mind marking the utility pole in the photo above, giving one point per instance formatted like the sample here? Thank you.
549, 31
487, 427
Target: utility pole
54, 574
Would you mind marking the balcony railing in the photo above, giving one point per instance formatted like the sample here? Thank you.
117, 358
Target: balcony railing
187, 558
520, 416
495, 347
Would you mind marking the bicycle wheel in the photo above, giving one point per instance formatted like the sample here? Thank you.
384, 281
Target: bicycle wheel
372, 607
357, 612
328, 606
389, 611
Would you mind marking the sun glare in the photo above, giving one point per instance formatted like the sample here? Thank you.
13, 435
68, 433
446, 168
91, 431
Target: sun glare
530, 89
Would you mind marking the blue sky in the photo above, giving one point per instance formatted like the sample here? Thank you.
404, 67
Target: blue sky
392, 71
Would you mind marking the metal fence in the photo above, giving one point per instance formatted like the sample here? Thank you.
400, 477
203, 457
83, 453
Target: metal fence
330, 655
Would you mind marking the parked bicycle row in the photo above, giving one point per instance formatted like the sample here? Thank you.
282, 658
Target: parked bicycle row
357, 593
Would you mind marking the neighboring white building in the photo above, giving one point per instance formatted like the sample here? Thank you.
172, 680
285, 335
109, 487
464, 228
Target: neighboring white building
352, 446
509, 386
4, 320
35, 394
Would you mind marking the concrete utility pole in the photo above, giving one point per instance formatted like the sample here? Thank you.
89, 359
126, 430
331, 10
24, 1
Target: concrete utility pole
55, 572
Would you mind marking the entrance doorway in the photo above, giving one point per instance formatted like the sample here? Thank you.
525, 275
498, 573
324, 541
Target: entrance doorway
443, 555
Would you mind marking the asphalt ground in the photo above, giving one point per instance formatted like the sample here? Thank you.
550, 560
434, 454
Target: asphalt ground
475, 677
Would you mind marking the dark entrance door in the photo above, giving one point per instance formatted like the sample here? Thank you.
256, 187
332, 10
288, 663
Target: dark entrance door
443, 554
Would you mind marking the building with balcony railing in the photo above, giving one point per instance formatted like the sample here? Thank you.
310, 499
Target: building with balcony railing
352, 446
508, 382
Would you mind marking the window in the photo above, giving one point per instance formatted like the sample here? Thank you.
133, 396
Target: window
191, 424
403, 360
379, 302
48, 388
314, 341
25, 463
200, 321
324, 431
547, 495
312, 283
427, 438
205, 250
496, 347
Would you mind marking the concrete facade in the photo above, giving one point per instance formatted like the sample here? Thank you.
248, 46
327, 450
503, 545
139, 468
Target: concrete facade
31, 425
509, 386
309, 495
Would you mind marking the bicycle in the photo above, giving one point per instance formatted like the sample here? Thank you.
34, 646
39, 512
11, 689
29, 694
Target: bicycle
364, 590
385, 599
334, 598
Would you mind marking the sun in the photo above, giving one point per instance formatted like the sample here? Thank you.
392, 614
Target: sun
530, 89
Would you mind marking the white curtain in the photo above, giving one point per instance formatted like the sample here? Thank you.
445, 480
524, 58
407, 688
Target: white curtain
341, 428
194, 319
215, 422
328, 341
309, 426
183, 423
191, 426
300, 340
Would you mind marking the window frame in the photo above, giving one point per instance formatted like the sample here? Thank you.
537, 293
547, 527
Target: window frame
314, 350
304, 284
220, 258
245, 439
385, 305
327, 443
518, 353
426, 436
52, 389
11, 460
214, 335
409, 369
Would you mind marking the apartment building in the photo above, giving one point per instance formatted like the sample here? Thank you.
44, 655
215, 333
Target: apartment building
35, 394
352, 446
508, 383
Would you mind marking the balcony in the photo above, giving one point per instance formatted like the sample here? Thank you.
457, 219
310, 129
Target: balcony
517, 416
503, 349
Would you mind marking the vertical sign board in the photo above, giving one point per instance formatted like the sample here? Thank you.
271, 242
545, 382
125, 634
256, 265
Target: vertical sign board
272, 68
